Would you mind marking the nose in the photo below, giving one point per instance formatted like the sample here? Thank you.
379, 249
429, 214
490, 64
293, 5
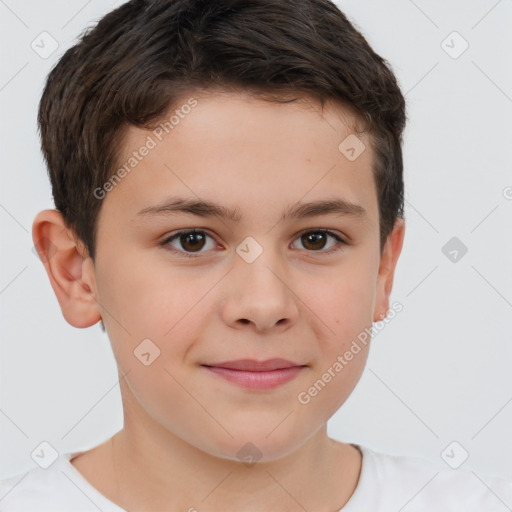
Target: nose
259, 297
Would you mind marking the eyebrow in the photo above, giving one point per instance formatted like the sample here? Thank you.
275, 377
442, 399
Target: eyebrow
297, 211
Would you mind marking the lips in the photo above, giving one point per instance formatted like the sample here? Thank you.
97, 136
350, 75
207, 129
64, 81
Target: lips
256, 375
251, 365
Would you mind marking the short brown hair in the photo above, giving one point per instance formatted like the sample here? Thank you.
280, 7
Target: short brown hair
134, 65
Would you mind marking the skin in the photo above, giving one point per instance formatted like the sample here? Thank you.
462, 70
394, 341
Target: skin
183, 425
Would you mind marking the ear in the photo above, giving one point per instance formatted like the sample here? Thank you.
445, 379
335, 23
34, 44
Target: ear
388, 261
69, 267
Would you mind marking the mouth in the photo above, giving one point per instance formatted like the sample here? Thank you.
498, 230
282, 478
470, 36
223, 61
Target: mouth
252, 374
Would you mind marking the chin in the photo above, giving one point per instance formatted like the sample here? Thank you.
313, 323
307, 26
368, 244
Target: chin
254, 445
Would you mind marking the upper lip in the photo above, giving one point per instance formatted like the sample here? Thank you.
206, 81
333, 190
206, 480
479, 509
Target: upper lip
252, 365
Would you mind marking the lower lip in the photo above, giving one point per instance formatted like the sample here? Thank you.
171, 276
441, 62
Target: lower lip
257, 380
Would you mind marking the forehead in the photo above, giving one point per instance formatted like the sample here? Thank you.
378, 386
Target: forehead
246, 153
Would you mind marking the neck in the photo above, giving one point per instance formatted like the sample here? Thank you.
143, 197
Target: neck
170, 474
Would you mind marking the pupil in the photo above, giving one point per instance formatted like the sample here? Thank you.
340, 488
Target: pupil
314, 238
189, 240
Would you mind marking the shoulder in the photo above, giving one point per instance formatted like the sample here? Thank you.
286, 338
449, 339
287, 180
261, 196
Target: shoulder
410, 483
59, 488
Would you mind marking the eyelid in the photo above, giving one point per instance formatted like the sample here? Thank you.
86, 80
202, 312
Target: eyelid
328, 231
334, 234
176, 234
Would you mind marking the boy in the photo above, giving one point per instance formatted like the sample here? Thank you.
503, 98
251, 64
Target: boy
267, 133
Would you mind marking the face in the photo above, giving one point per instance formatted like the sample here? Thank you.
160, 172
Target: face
264, 276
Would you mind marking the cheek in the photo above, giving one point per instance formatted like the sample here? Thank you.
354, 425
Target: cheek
331, 384
151, 298
342, 303
142, 302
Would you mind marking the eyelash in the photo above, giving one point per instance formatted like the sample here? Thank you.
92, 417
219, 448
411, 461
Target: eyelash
185, 254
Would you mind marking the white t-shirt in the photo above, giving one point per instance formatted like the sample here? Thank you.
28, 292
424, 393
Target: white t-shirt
387, 484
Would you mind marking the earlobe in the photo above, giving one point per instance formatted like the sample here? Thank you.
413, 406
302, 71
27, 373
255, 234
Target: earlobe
387, 266
69, 268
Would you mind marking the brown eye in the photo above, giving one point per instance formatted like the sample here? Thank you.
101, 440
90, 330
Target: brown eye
317, 240
192, 241
314, 240
189, 243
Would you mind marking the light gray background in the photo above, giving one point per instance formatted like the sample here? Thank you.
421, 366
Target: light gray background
440, 372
